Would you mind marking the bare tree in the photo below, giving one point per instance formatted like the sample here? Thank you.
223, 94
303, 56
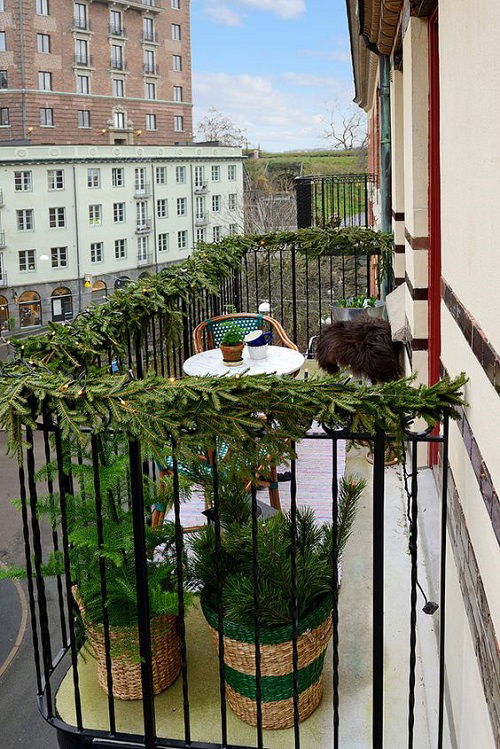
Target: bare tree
346, 130
215, 126
267, 206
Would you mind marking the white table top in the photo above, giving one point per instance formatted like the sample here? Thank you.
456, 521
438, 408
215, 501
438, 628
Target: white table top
279, 360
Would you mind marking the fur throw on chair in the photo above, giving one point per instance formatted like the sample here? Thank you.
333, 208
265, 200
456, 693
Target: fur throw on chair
364, 346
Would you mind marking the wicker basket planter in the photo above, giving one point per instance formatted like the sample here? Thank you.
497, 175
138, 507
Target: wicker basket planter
126, 669
314, 633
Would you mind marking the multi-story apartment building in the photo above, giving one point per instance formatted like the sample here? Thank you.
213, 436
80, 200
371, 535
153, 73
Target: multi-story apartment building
77, 222
95, 72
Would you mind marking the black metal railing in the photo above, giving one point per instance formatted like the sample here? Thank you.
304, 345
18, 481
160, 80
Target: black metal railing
333, 200
56, 637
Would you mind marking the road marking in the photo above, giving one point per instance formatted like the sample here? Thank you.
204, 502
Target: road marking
22, 627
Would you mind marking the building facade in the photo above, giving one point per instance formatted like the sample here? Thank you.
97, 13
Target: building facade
95, 72
443, 123
77, 222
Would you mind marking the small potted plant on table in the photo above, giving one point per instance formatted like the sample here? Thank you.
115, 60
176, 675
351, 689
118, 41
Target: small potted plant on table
232, 570
232, 345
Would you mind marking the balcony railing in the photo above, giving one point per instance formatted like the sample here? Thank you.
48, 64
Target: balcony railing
117, 30
201, 220
150, 36
117, 64
151, 69
2, 240
335, 200
142, 190
149, 7
81, 24
83, 61
144, 227
144, 259
201, 189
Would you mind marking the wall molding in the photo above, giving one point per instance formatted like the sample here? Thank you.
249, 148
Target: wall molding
417, 294
416, 243
398, 215
399, 249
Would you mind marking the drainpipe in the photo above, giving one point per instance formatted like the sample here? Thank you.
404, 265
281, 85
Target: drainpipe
22, 70
77, 244
385, 160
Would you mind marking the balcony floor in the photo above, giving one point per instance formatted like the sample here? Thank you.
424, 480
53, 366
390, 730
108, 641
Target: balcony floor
354, 642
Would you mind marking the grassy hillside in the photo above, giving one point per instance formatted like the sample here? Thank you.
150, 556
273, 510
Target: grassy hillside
305, 163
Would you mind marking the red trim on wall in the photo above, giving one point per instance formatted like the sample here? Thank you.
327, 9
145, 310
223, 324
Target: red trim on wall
434, 305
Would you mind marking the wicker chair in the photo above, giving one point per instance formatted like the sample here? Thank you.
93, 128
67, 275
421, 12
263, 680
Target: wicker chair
248, 321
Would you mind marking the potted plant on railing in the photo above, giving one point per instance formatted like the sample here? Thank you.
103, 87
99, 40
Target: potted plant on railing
116, 555
231, 571
349, 309
232, 345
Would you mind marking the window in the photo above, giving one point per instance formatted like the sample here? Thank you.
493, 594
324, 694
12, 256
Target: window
199, 176
162, 208
148, 30
3, 79
83, 118
177, 93
163, 242
30, 312
119, 120
176, 4
200, 235
82, 84
118, 87
231, 172
150, 90
80, 15
26, 260
81, 52
200, 207
44, 80
177, 63
59, 257
216, 201
161, 175
2, 41
233, 229
43, 42
4, 116
176, 32
117, 176
140, 179
95, 214
149, 61
62, 303
96, 252
142, 248
216, 233
215, 173
120, 249
118, 213
23, 182
46, 117
117, 57
231, 201
115, 22
57, 217
180, 175
93, 177
182, 239
178, 124
42, 7
142, 214
55, 179
181, 206
25, 219
150, 122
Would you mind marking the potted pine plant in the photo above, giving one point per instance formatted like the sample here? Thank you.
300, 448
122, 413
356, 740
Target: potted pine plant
233, 570
232, 345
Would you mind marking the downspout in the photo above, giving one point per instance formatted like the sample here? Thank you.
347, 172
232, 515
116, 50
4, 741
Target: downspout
385, 161
77, 236
22, 70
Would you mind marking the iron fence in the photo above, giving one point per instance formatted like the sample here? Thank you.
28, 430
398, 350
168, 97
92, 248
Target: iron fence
333, 200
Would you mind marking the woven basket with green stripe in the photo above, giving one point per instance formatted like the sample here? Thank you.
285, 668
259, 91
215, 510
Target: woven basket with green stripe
314, 632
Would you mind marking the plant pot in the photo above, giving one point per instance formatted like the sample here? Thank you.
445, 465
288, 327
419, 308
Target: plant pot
276, 662
125, 668
347, 314
232, 355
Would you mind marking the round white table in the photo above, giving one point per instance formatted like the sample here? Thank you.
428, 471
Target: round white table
279, 360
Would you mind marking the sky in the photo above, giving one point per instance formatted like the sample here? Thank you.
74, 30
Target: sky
276, 68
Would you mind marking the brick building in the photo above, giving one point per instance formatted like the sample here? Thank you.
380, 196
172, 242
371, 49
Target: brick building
95, 72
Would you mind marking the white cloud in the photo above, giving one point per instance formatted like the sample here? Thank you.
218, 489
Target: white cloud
309, 80
220, 13
338, 55
273, 118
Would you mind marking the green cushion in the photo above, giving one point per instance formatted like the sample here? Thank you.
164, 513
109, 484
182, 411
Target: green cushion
247, 324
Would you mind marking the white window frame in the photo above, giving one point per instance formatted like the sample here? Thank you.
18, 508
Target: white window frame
200, 234
177, 63
150, 89
25, 219
216, 233
23, 181
42, 7
181, 206
142, 248
28, 259
46, 117
93, 177
177, 93
58, 257
95, 214
182, 239
215, 173
162, 208
231, 172
57, 217
44, 80
216, 203
83, 84
199, 176
43, 43
180, 175
118, 87
117, 176
161, 175
175, 29
120, 249
163, 242
176, 4
96, 252
119, 213
55, 179
178, 123
82, 117
150, 121
231, 201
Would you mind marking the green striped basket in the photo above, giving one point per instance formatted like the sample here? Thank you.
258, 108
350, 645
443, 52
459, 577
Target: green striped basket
314, 633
